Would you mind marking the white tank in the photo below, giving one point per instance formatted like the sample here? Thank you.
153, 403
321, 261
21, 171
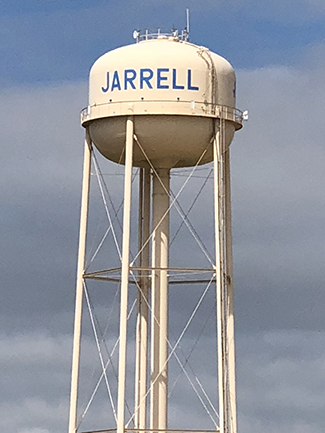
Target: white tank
174, 89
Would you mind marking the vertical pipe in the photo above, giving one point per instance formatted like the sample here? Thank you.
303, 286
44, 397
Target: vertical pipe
159, 333
125, 275
154, 359
219, 277
163, 338
230, 292
145, 308
155, 315
142, 319
139, 301
79, 285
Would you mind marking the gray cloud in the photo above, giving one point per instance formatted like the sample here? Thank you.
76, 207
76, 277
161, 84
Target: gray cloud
277, 200
285, 375
280, 379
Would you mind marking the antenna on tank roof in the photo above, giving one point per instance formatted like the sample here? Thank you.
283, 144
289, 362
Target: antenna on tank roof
187, 28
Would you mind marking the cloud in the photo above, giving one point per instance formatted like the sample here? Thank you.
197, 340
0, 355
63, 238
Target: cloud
33, 412
280, 379
40, 176
34, 430
276, 200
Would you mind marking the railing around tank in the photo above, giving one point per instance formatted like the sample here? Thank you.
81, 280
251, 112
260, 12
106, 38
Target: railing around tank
159, 33
171, 107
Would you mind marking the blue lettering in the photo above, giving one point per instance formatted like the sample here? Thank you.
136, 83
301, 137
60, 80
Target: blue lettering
189, 81
129, 79
146, 75
175, 86
105, 89
161, 78
116, 82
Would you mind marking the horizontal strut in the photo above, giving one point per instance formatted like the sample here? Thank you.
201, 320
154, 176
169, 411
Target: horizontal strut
127, 430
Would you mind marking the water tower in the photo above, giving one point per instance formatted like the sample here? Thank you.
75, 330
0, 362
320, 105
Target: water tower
160, 104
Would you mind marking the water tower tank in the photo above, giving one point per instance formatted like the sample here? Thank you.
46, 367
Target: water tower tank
174, 90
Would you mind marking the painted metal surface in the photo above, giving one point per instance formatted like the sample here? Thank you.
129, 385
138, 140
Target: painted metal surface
173, 88
125, 277
79, 286
162, 69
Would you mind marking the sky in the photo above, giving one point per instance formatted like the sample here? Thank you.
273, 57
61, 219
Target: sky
278, 204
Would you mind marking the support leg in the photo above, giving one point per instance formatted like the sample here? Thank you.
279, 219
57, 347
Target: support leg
217, 160
230, 303
159, 329
125, 276
143, 292
79, 288
225, 296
